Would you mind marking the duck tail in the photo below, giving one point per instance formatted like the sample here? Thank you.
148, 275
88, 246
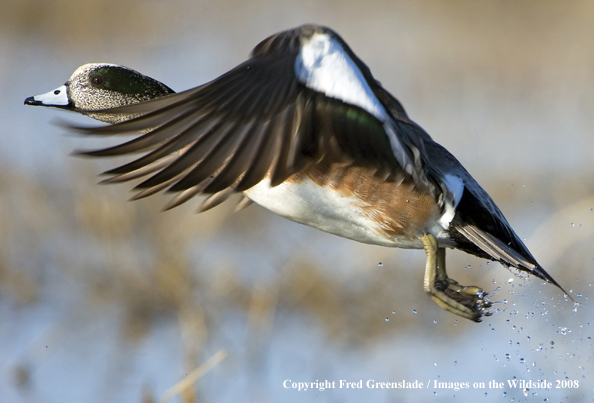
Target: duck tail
506, 255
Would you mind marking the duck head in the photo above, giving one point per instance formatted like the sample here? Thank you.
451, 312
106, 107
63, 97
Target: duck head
96, 86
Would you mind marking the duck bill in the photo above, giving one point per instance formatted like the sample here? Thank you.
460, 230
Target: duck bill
57, 98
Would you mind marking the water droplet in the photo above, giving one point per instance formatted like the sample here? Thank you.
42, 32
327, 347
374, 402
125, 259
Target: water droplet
564, 331
522, 361
393, 312
511, 280
552, 343
455, 363
414, 311
380, 264
387, 320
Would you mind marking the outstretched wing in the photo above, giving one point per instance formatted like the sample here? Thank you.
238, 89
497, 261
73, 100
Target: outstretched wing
255, 121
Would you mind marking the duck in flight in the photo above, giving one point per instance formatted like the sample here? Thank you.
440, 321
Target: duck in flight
303, 129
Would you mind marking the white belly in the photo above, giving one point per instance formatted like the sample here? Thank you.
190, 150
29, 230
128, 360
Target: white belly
324, 209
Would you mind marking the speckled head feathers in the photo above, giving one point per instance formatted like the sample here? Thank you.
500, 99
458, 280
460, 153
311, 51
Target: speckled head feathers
96, 86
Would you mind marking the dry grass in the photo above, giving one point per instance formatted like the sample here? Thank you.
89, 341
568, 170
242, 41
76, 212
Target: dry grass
142, 267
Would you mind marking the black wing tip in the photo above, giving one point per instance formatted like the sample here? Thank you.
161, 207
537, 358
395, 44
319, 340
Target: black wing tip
90, 153
93, 130
73, 127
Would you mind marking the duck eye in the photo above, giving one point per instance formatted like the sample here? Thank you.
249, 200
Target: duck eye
97, 80
57, 92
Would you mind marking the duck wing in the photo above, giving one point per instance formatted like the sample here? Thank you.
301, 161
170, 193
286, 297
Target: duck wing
265, 117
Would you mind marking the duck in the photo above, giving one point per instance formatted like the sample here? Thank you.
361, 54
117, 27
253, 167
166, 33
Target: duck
304, 129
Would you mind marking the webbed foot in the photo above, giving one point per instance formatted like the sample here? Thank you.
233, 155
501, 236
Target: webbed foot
466, 301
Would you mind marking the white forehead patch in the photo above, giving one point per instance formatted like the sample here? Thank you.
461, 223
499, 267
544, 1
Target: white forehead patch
324, 66
58, 97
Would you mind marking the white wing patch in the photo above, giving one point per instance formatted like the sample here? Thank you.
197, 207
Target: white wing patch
324, 66
59, 96
455, 186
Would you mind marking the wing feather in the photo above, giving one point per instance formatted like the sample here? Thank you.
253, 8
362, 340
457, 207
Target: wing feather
255, 121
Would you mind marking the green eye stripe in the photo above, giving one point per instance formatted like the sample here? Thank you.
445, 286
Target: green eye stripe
126, 82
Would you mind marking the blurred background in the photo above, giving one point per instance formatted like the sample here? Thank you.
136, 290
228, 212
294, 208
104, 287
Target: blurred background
107, 300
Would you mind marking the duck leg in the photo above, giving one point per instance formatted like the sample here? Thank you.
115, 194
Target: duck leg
465, 301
